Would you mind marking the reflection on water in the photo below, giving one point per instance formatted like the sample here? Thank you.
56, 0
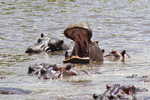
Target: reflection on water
116, 24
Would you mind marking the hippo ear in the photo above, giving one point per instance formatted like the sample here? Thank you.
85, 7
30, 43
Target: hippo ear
42, 35
123, 52
108, 87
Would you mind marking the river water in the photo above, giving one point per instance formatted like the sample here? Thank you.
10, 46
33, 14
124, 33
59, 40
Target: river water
116, 24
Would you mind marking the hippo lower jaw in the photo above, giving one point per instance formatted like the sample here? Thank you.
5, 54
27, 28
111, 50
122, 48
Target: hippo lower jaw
31, 51
76, 59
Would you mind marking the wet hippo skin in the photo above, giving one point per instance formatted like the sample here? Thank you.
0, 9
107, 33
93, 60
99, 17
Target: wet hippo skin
81, 34
48, 71
9, 91
45, 44
119, 92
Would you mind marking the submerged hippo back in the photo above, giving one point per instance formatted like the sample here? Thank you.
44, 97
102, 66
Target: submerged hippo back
9, 91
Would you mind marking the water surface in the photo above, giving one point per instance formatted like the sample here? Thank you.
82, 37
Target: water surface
116, 24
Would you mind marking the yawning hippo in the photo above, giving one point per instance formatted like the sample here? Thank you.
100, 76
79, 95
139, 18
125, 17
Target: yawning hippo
84, 47
45, 44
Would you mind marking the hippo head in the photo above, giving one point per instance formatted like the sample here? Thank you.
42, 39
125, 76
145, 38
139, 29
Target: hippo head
39, 46
45, 44
47, 71
117, 55
84, 47
117, 92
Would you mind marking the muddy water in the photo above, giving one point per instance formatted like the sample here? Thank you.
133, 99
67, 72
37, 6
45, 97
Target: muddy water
116, 24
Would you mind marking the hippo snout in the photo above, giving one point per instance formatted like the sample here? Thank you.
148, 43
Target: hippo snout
32, 51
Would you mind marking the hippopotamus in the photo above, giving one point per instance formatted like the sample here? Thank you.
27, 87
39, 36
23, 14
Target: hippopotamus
48, 71
119, 92
10, 91
115, 55
84, 47
45, 44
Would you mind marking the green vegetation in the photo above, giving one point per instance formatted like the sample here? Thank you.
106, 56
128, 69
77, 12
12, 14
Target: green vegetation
7, 13
2, 38
9, 8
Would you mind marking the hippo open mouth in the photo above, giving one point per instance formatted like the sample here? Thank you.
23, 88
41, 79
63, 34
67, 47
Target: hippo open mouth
84, 47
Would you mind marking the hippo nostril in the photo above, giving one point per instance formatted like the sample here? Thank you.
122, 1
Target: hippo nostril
39, 40
29, 50
95, 96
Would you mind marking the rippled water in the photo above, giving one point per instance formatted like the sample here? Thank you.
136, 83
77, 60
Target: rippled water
116, 24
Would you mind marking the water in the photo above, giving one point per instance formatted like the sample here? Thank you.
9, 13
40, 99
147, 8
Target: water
116, 24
